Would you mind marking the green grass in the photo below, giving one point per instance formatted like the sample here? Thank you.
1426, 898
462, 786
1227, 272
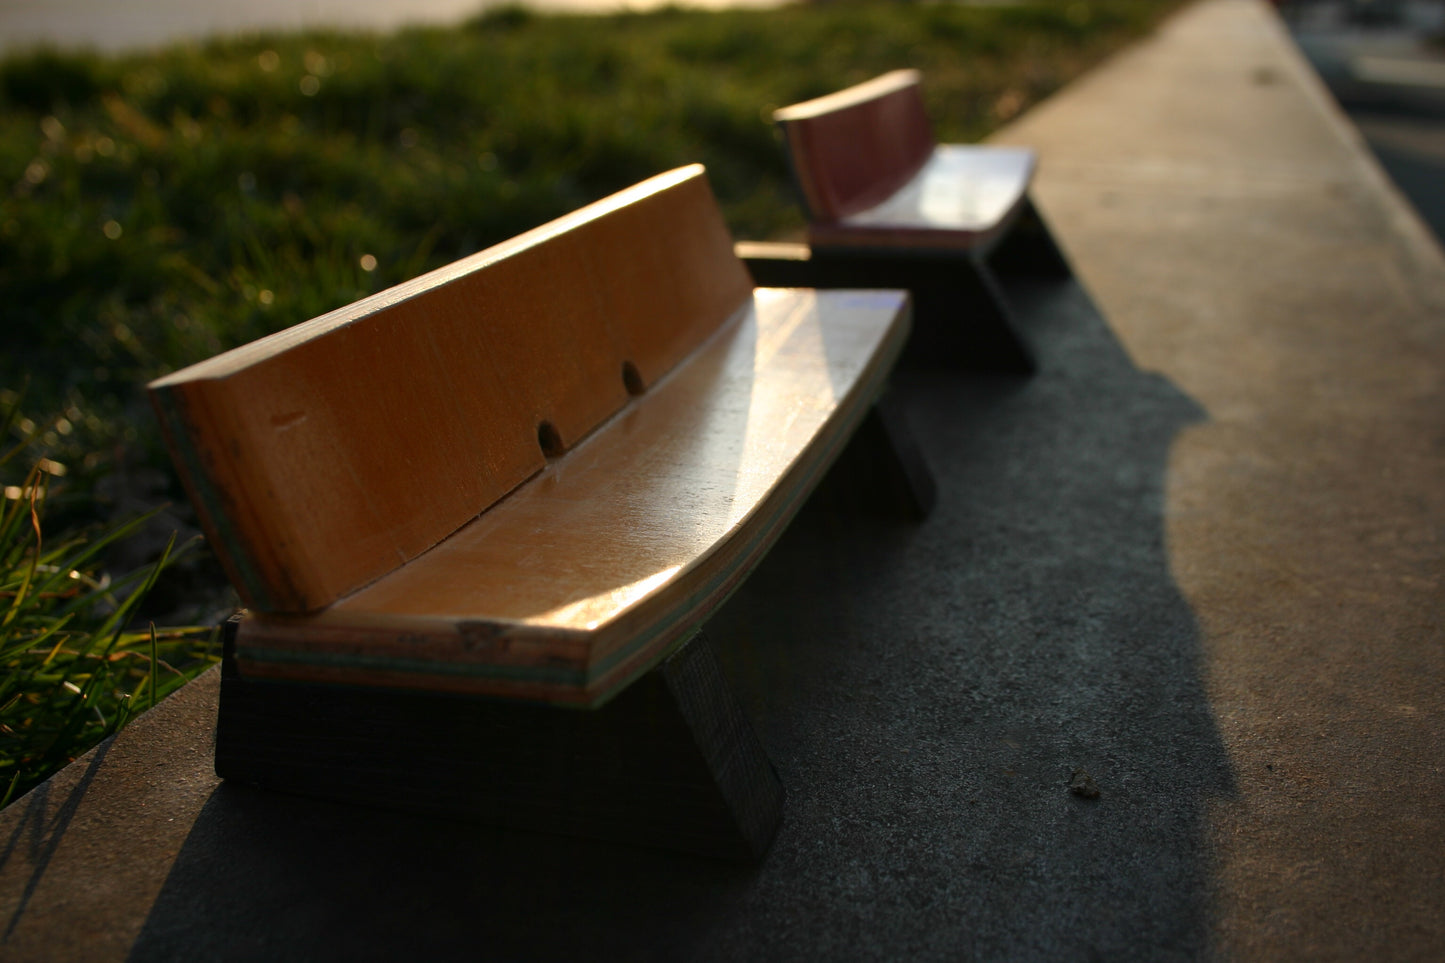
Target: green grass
74, 671
163, 207
158, 208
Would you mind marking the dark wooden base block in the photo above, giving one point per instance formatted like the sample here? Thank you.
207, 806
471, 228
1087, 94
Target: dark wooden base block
670, 762
962, 317
882, 473
905, 472
1028, 249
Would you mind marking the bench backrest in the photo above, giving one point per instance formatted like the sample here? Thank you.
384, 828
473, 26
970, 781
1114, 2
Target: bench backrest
328, 454
853, 149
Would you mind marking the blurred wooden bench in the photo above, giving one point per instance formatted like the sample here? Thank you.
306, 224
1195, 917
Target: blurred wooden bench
519, 482
887, 207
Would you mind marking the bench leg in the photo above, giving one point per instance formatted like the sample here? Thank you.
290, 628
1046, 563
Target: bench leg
960, 314
882, 471
906, 475
671, 762
990, 340
1029, 249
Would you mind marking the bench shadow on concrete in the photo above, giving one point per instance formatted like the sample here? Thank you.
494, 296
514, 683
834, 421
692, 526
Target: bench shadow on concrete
926, 694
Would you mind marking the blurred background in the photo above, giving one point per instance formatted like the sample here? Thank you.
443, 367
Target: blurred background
115, 25
1384, 61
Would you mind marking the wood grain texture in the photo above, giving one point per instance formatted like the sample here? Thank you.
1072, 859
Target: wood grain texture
586, 575
330, 453
871, 175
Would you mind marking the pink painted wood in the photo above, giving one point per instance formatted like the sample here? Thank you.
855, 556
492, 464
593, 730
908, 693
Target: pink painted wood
872, 177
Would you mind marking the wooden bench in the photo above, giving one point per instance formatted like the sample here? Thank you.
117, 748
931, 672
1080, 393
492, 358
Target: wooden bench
887, 207
520, 482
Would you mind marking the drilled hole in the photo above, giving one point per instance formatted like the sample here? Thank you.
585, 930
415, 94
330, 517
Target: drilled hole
548, 438
631, 378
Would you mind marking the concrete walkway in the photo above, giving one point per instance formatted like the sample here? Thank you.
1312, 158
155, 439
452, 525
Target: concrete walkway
1201, 555
1242, 242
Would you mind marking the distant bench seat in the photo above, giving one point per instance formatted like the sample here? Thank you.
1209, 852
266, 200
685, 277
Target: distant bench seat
888, 207
962, 197
531, 475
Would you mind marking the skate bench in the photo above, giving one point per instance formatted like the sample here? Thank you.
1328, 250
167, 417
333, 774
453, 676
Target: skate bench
520, 482
887, 207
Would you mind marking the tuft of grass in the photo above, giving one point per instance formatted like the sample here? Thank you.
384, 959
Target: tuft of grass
74, 670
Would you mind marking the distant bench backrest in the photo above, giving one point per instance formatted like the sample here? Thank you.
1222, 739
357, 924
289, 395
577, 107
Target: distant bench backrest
326, 455
853, 149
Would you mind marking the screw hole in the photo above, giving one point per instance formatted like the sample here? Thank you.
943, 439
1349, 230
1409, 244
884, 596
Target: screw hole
632, 379
548, 438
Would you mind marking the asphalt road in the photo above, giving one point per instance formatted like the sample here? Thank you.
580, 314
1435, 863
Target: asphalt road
1387, 70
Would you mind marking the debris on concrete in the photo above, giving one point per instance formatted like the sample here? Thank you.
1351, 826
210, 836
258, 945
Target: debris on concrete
1082, 784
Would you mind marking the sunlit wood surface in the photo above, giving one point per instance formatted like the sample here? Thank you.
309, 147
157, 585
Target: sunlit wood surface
961, 197
326, 455
588, 573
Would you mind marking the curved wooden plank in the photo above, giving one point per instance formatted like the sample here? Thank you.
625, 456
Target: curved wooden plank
589, 573
322, 457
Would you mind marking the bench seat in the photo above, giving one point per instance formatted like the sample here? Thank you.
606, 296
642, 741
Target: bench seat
588, 573
963, 196
887, 207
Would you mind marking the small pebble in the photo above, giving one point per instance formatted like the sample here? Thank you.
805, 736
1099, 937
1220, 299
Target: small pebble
1082, 784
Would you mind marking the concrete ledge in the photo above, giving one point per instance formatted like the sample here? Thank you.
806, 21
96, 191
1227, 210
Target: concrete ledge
1242, 241
1200, 555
